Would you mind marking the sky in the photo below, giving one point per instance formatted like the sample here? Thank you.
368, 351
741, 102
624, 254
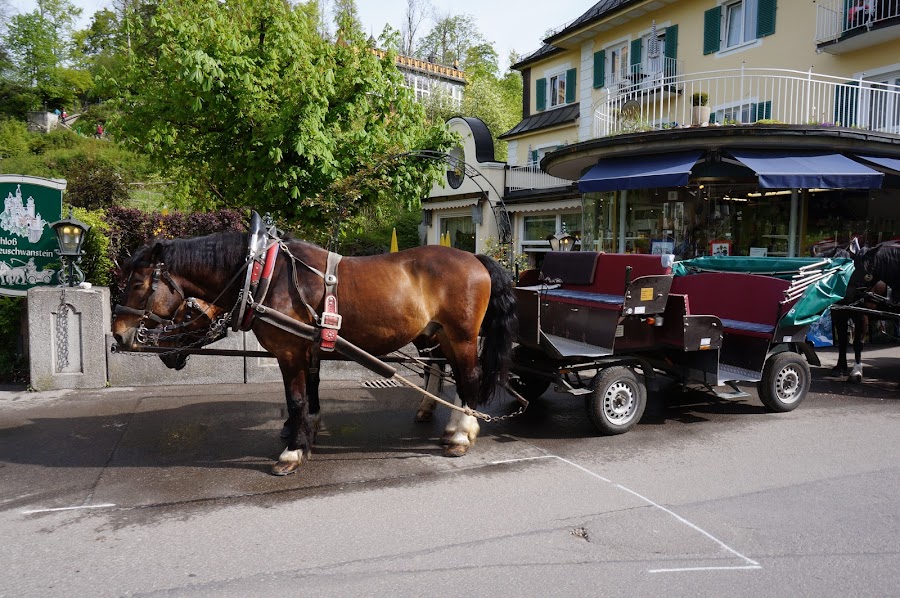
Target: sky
508, 24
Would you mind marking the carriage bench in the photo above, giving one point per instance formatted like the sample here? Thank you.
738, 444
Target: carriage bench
585, 295
747, 304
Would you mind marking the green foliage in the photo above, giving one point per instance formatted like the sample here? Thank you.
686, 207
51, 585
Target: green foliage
94, 185
514, 263
13, 367
259, 107
13, 138
96, 262
376, 239
450, 39
700, 98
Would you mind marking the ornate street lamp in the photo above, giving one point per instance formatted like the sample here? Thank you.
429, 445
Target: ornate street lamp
70, 234
561, 240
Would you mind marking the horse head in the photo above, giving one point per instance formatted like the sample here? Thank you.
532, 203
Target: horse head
150, 300
196, 323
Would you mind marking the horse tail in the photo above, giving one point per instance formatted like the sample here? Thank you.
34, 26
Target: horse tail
498, 330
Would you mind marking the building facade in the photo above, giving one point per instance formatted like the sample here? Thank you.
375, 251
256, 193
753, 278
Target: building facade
717, 92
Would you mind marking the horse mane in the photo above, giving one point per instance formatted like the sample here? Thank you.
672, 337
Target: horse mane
886, 263
225, 251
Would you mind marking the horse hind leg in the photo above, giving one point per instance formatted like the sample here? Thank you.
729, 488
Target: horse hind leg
434, 383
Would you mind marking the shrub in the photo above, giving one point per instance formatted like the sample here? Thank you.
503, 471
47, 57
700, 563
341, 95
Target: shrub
13, 366
13, 138
94, 185
700, 98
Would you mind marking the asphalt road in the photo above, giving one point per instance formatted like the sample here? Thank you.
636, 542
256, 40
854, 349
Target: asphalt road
165, 492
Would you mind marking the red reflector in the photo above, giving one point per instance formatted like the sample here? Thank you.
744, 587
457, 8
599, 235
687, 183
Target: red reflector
651, 321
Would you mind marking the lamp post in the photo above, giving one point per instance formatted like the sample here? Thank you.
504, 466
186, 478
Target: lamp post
561, 240
70, 234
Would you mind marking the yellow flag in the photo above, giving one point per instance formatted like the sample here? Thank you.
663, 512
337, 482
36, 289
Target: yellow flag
394, 247
442, 240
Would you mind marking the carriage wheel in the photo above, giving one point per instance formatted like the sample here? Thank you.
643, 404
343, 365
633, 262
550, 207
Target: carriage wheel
530, 387
618, 400
784, 383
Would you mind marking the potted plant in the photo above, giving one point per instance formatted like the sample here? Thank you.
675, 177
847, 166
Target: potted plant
700, 101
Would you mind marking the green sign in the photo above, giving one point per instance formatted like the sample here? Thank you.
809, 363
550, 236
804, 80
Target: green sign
29, 253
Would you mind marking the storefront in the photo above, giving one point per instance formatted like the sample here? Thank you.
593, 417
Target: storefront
725, 191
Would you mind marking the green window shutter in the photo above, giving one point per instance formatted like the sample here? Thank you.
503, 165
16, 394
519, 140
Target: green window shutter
636, 47
765, 18
540, 95
761, 111
599, 69
712, 19
846, 100
671, 49
571, 83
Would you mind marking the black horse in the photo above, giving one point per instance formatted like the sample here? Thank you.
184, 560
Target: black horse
876, 270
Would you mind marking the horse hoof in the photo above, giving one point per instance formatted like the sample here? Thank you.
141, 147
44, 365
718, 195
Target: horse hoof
455, 450
855, 379
423, 417
285, 468
445, 438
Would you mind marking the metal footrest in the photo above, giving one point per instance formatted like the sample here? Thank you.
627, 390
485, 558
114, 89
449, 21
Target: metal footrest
735, 393
568, 348
730, 373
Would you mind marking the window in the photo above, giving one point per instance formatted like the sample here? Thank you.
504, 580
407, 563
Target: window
884, 104
538, 228
461, 230
558, 90
737, 22
618, 62
740, 23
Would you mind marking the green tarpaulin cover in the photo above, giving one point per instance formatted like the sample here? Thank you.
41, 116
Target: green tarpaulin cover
814, 301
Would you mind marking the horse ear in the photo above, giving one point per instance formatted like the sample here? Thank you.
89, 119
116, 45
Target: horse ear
156, 253
854, 245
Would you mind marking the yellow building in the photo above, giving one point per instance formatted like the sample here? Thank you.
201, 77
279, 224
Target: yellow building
631, 86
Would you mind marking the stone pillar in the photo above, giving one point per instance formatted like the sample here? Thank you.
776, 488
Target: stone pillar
67, 330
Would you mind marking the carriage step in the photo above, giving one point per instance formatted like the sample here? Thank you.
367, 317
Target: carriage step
735, 393
381, 383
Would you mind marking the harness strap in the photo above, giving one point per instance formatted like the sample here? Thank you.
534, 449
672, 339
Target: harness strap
330, 320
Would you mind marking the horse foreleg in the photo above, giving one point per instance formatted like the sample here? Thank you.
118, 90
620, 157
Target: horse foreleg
300, 429
315, 415
860, 325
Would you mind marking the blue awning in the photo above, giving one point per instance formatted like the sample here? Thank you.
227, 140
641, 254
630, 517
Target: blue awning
889, 163
640, 172
808, 170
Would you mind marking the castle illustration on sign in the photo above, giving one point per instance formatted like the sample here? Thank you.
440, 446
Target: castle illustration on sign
18, 217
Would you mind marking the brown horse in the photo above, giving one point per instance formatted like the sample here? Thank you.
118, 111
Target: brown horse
427, 294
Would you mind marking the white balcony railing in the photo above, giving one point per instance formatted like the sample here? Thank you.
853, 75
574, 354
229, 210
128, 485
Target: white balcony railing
835, 18
646, 76
744, 96
532, 177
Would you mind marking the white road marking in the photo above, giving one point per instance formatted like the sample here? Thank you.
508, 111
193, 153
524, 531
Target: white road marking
751, 564
102, 506
744, 568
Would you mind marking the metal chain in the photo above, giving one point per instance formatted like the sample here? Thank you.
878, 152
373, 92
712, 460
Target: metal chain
62, 332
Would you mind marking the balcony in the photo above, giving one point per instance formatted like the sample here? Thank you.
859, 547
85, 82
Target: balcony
746, 96
520, 178
653, 76
849, 25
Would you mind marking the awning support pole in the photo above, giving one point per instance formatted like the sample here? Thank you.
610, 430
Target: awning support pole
792, 227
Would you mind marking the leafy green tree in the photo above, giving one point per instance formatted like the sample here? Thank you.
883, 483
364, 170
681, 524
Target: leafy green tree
449, 40
250, 99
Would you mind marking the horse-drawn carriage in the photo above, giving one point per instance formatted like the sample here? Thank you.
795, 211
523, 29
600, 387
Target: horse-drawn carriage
602, 325
607, 326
